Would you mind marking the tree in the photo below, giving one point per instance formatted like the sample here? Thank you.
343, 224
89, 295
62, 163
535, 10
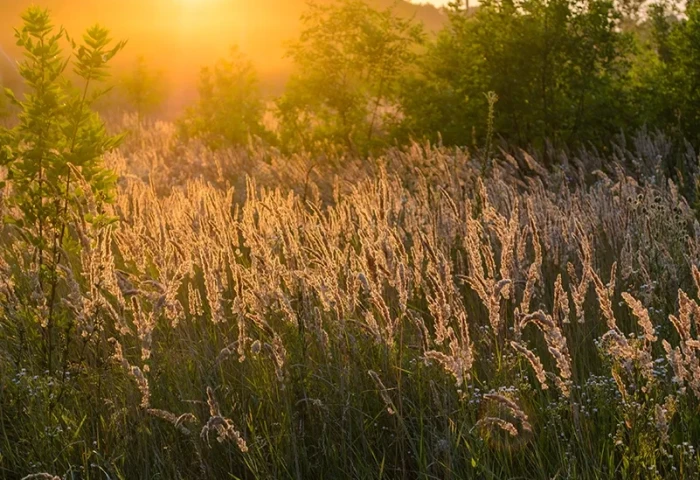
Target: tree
230, 107
144, 89
349, 61
685, 64
54, 157
665, 82
557, 67
652, 86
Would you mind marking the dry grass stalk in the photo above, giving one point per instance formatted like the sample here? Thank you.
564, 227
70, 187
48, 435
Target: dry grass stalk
579, 292
177, 421
696, 277
134, 371
508, 237
642, 315
534, 361
605, 299
383, 391
504, 425
661, 422
512, 409
556, 344
222, 426
534, 273
562, 309
675, 359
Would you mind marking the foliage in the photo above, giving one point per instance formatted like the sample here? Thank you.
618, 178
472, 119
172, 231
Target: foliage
349, 61
53, 158
663, 82
555, 65
144, 89
684, 40
230, 108
55, 196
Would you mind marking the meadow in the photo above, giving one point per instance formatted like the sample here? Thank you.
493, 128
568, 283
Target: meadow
336, 296
258, 316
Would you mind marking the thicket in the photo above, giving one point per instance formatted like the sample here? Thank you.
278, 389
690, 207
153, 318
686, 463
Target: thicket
568, 73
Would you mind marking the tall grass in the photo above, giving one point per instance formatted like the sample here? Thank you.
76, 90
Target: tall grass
254, 316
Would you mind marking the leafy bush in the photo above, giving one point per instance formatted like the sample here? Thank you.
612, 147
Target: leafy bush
144, 89
349, 61
230, 108
558, 68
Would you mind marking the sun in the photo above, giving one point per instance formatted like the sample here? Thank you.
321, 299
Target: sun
195, 11
196, 21
198, 8
200, 3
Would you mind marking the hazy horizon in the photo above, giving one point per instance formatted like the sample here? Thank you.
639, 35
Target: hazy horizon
179, 37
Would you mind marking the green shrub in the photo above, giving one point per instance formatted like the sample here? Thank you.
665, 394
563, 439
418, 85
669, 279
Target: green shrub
144, 89
349, 61
230, 108
57, 185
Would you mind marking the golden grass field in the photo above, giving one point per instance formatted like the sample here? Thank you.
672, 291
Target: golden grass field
258, 316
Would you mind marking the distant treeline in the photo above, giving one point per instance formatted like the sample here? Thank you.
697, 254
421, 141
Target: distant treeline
563, 72
531, 72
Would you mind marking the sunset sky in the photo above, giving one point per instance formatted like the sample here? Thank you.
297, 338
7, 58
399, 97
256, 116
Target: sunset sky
180, 36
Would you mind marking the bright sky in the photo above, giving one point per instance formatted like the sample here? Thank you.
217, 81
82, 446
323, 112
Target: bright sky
181, 36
